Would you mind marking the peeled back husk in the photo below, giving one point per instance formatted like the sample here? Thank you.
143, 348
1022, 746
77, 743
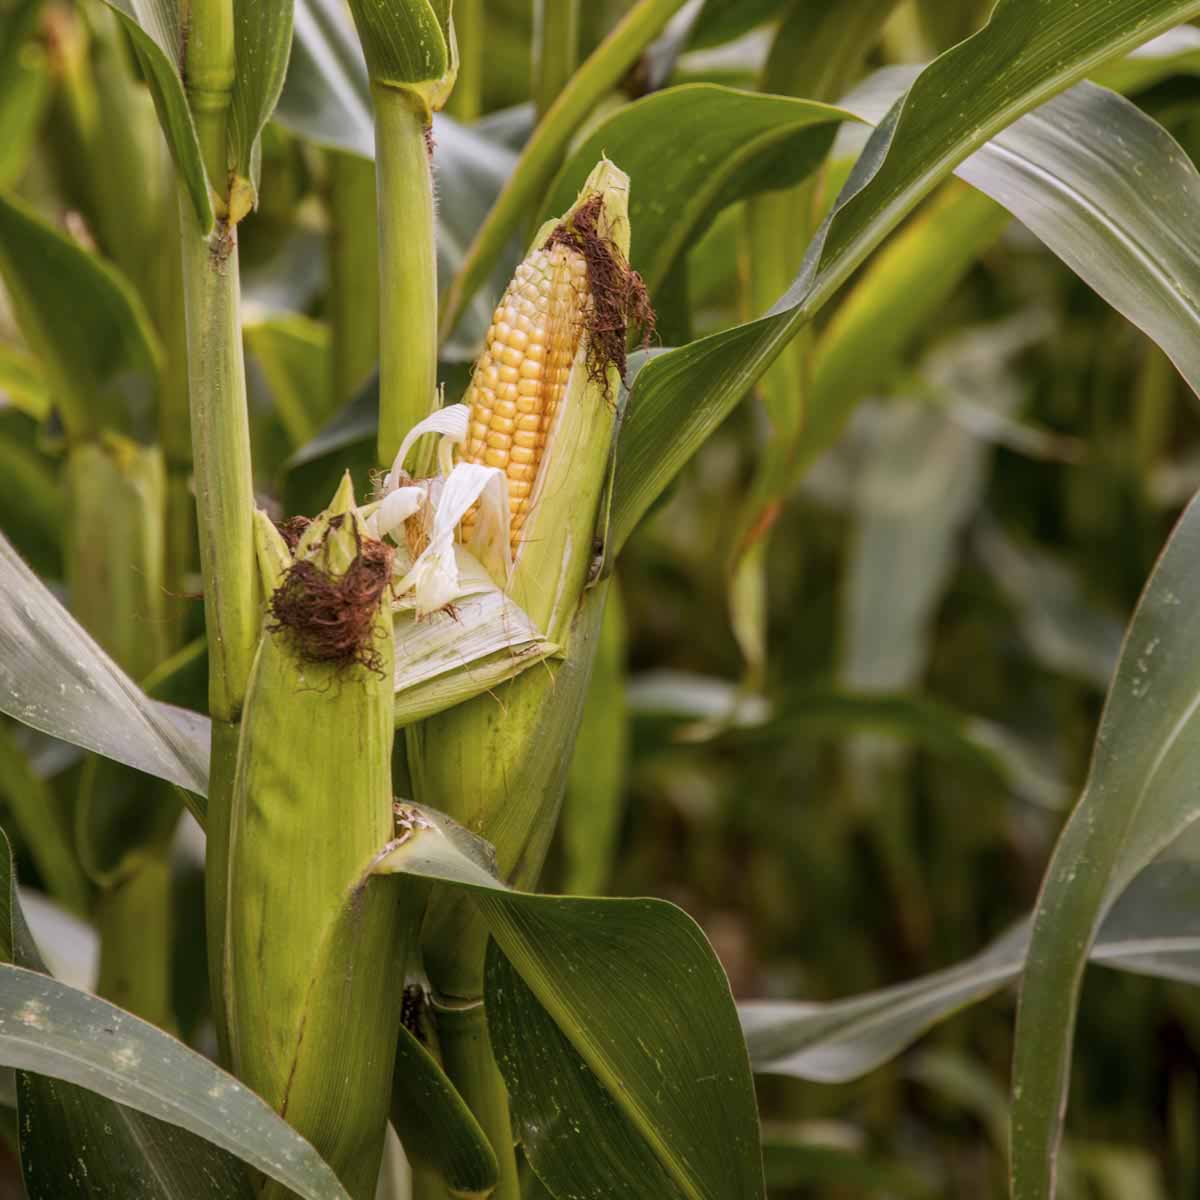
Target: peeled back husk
314, 945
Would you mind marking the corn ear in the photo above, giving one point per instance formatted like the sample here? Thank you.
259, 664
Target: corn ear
498, 763
314, 945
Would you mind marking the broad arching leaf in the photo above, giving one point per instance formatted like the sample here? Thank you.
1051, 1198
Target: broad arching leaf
956, 105
643, 1065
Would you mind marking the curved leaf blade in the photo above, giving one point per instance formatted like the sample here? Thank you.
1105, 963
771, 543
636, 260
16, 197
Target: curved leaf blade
650, 1045
51, 1029
55, 678
953, 108
1152, 930
263, 37
1139, 796
1110, 192
143, 1114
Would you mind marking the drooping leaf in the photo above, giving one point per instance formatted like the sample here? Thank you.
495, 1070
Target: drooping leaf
142, 1114
1153, 930
54, 677
1065, 171
1138, 798
690, 150
954, 107
111, 352
636, 1034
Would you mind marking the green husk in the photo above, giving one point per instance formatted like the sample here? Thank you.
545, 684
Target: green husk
314, 945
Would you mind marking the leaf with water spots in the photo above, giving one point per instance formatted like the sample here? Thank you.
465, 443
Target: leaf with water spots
1139, 797
615, 1031
110, 1106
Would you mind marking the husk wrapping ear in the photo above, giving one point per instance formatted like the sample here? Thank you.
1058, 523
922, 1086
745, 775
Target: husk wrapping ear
498, 763
313, 944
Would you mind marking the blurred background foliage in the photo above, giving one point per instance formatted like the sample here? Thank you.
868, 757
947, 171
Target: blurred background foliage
862, 788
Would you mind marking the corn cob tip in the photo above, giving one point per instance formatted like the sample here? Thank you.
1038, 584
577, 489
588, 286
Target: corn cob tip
574, 288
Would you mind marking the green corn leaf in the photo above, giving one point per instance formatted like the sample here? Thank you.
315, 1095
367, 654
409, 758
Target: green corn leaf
1138, 797
263, 33
112, 355
724, 20
153, 27
1152, 930
614, 1028
55, 678
733, 144
434, 1123
954, 107
143, 1115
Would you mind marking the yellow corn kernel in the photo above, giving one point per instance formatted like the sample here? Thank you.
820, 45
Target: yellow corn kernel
522, 373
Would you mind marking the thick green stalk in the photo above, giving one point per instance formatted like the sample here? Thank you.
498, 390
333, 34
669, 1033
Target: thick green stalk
209, 68
540, 158
224, 510
407, 268
468, 1060
354, 273
555, 49
466, 100
222, 776
221, 454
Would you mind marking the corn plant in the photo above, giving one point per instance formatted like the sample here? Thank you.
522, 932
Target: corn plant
334, 390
